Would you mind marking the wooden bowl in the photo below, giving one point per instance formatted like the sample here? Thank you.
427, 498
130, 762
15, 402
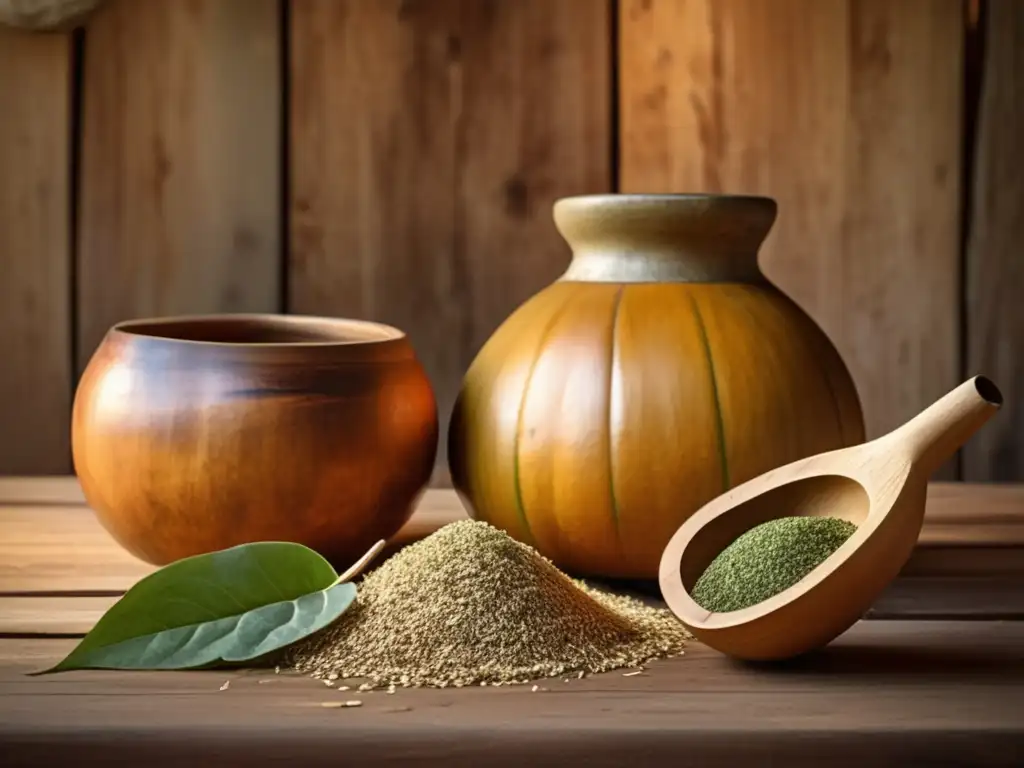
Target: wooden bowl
192, 434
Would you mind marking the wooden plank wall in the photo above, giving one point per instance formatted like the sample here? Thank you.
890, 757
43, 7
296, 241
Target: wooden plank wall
35, 210
431, 210
995, 262
181, 163
397, 160
848, 113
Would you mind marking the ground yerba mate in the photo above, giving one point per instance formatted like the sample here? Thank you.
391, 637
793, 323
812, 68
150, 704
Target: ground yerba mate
469, 605
768, 559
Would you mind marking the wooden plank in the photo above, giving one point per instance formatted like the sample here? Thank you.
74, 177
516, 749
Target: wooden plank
966, 561
58, 549
180, 187
848, 113
880, 695
959, 514
62, 550
982, 598
969, 531
35, 256
974, 514
995, 270
54, 490
448, 128
969, 645
963, 599
52, 616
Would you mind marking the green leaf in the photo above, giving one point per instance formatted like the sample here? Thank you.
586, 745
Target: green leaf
230, 606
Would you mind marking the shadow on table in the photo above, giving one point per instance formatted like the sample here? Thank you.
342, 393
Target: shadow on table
897, 661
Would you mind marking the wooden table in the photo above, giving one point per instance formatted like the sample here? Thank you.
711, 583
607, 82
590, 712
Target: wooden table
935, 675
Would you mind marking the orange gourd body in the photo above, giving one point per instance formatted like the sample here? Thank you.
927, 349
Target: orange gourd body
659, 371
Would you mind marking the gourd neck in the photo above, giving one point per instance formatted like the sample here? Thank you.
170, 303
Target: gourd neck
664, 238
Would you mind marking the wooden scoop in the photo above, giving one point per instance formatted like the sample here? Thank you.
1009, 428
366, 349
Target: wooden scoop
880, 486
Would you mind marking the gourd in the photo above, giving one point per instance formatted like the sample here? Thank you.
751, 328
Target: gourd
658, 372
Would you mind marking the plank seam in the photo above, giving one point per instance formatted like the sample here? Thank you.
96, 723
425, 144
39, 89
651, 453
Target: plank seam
284, 160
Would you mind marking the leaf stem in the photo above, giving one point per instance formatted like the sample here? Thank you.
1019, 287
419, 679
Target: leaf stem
361, 563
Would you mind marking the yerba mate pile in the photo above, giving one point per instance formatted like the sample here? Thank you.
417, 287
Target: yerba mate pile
469, 605
768, 559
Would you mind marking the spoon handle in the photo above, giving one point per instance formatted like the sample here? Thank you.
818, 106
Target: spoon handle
939, 430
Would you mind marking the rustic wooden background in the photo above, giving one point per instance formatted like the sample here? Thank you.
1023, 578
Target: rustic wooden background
397, 160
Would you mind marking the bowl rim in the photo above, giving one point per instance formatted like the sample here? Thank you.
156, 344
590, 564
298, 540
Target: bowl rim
351, 332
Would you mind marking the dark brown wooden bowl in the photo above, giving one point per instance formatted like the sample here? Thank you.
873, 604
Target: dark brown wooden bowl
192, 434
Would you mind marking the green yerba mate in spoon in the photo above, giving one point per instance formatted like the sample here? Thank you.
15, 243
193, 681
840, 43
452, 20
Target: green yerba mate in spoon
768, 559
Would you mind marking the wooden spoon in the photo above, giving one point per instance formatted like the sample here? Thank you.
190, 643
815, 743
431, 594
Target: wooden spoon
879, 485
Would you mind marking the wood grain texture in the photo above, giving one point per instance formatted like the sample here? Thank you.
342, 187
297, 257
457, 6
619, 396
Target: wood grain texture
62, 549
958, 513
995, 268
928, 598
54, 489
272, 428
980, 598
888, 694
968, 514
848, 113
970, 562
970, 531
51, 616
180, 179
429, 140
35, 256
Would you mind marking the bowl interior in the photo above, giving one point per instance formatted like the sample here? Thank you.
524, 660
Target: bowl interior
261, 330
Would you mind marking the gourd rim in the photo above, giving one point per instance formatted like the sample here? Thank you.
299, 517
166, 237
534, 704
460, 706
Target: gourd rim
311, 331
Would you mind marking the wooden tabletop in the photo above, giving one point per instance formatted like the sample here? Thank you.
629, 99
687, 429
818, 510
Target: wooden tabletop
936, 675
